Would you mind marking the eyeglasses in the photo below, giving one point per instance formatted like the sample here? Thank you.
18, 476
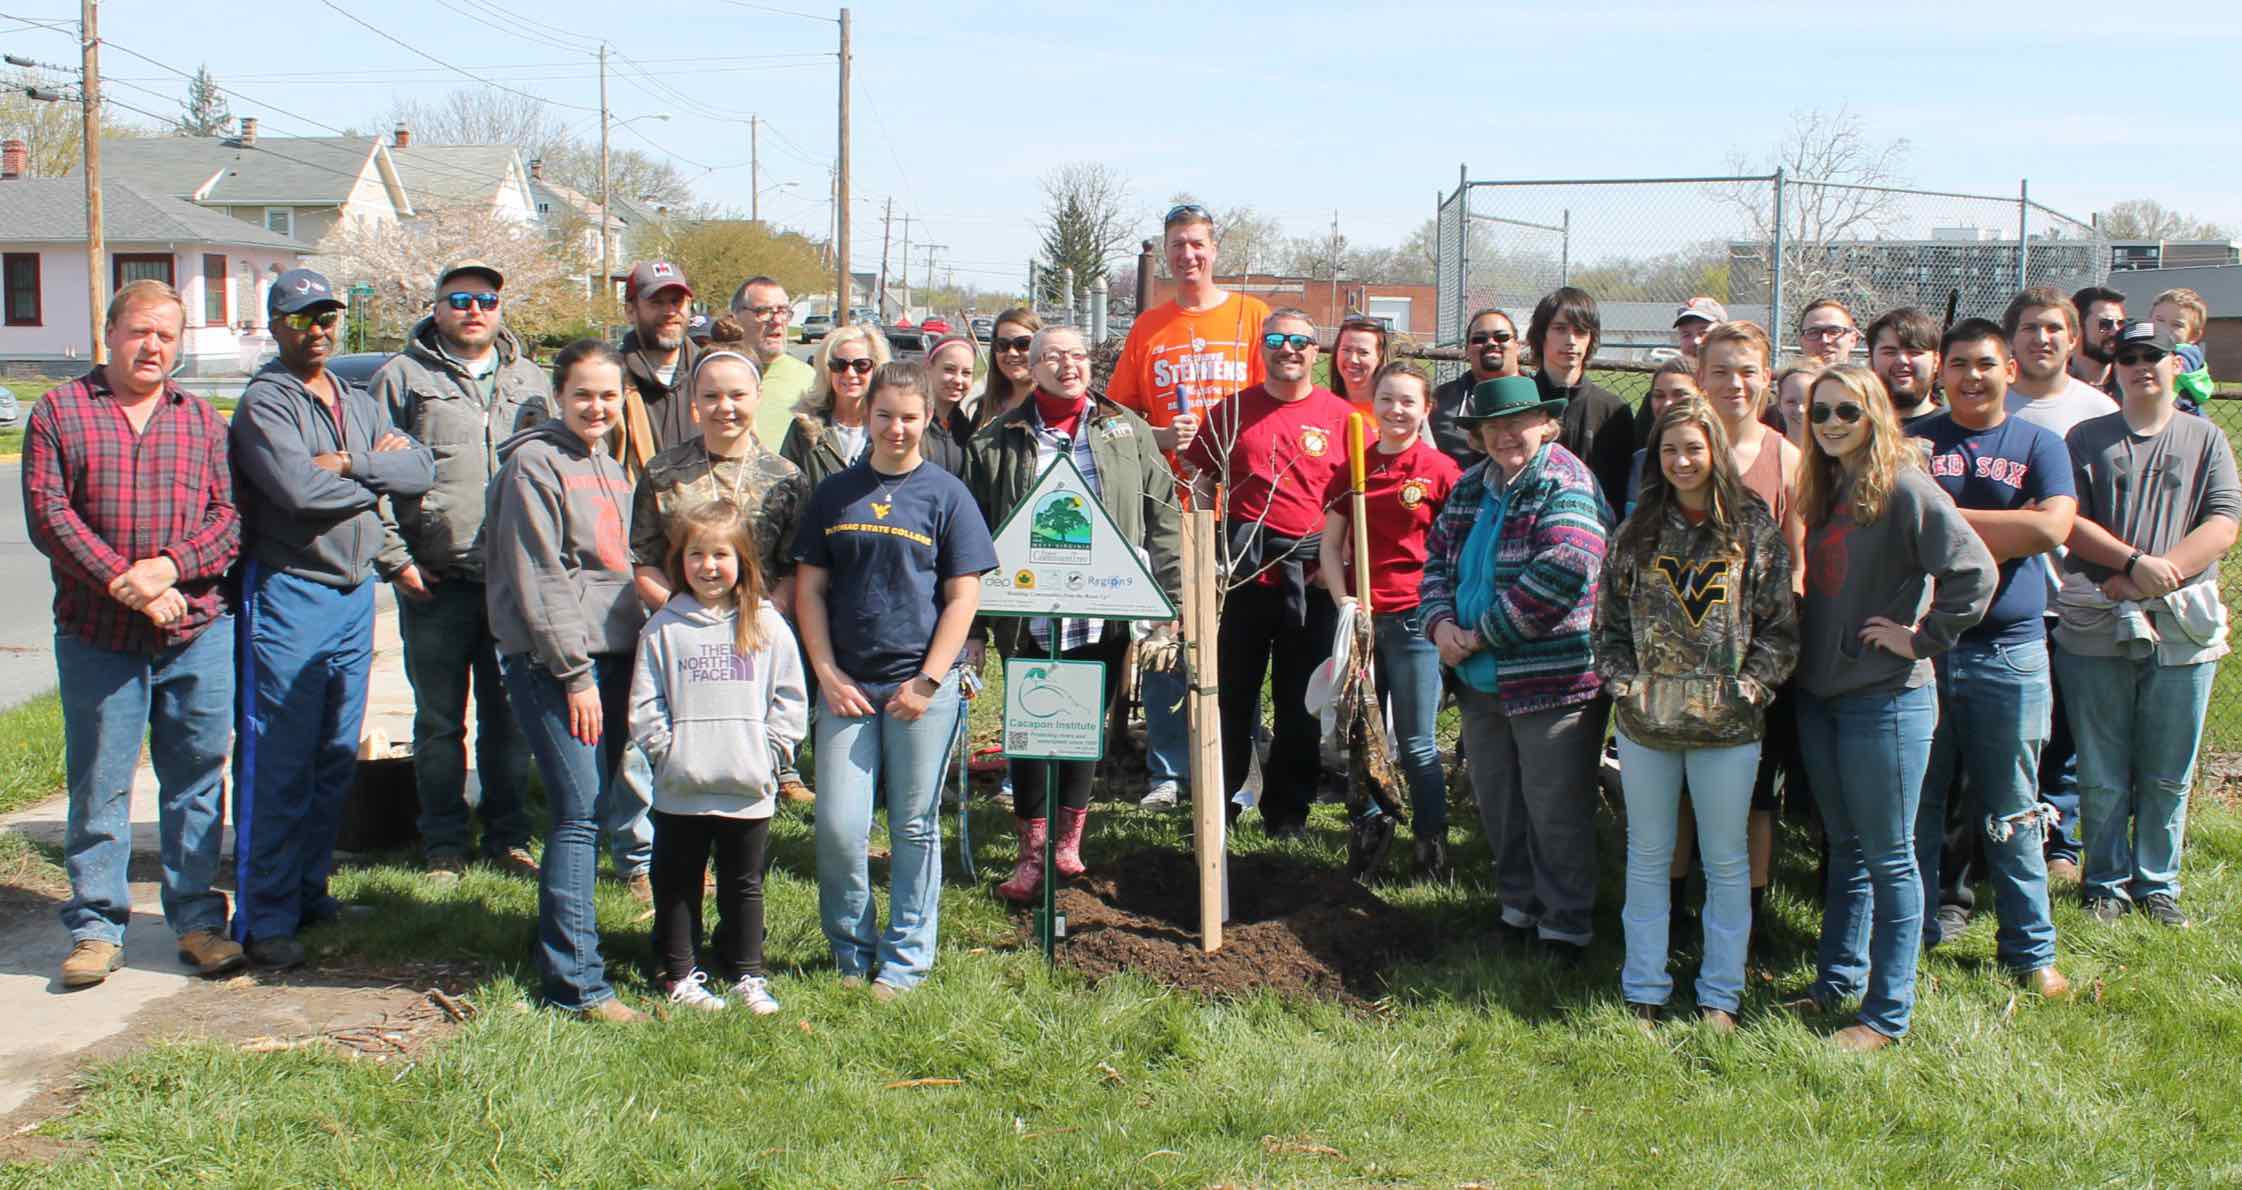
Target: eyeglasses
1497, 338
768, 313
1847, 413
1833, 330
325, 320
861, 365
1020, 343
2135, 359
1188, 210
2108, 324
460, 301
1274, 340
1055, 358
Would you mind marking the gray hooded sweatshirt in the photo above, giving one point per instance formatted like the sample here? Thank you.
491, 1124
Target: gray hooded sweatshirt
432, 397
298, 517
716, 725
557, 555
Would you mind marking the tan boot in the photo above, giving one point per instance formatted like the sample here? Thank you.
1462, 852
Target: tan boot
90, 961
642, 889
1027, 875
210, 954
610, 1011
1859, 1039
2048, 983
792, 790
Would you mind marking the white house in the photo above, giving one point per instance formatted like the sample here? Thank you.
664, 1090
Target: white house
222, 266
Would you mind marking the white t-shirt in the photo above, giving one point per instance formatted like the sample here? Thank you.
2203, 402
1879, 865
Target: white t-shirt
850, 439
2077, 402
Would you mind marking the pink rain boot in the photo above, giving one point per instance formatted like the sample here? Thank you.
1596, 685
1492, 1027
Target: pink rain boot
1027, 875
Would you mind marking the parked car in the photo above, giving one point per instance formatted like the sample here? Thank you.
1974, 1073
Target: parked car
906, 343
11, 411
984, 329
905, 324
816, 326
935, 327
358, 367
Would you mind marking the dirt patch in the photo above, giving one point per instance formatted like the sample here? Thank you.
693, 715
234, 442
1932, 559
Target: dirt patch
1296, 929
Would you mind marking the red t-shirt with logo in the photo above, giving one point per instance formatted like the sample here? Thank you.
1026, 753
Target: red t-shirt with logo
1277, 457
1401, 494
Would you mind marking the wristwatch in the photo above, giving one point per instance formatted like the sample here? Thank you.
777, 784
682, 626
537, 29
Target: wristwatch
2137, 555
930, 680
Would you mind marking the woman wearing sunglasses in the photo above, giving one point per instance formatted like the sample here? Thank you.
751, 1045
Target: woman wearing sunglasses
1894, 575
1011, 374
828, 432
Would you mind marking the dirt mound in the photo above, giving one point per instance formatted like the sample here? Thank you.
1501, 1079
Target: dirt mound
1295, 929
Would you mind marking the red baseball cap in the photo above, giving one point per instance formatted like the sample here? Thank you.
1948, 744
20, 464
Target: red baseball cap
649, 277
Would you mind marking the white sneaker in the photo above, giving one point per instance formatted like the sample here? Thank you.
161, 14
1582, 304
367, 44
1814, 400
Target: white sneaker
1160, 797
692, 992
755, 992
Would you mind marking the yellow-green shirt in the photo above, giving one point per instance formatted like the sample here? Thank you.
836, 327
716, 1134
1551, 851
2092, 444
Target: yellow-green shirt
786, 380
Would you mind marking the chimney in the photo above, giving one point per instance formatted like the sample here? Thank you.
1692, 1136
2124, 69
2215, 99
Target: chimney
403, 138
15, 159
537, 168
248, 130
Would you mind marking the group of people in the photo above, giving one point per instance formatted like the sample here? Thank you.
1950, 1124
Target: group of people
663, 566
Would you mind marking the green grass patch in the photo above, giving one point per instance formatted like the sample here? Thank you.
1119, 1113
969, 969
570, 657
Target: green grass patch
30, 752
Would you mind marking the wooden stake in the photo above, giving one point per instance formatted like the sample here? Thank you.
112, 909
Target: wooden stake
1207, 789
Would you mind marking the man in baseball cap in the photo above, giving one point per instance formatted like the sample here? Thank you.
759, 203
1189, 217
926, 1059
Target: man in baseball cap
1695, 317
658, 354
301, 291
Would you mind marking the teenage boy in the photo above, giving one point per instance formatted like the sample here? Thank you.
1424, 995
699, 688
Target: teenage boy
2143, 628
1903, 352
313, 457
2101, 312
127, 491
1827, 333
2011, 480
762, 307
1597, 427
2043, 331
1275, 447
1491, 348
1183, 359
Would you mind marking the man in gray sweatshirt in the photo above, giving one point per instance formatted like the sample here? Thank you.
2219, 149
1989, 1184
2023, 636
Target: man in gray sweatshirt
312, 457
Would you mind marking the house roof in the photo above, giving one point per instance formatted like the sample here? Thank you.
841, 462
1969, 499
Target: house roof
53, 211
277, 171
443, 175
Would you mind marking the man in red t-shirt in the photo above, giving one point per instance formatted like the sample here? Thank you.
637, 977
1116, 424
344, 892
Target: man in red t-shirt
1273, 448
1183, 358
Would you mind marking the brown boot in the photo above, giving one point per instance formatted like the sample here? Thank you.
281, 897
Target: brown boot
642, 888
210, 954
1859, 1039
610, 1011
2048, 983
1027, 875
1067, 856
90, 961
792, 790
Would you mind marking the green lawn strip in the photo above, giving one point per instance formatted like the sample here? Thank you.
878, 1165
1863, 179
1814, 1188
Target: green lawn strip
30, 752
1480, 1066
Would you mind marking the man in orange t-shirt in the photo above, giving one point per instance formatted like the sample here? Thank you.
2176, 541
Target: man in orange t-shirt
1182, 358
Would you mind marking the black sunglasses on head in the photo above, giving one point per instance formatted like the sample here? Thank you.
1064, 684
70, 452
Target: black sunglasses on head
460, 301
1016, 343
859, 365
1189, 210
1847, 412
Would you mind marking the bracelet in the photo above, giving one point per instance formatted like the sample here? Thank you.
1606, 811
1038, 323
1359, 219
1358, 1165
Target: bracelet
931, 679
2130, 561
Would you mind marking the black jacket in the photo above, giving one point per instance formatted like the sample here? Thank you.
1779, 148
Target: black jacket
1599, 428
669, 407
1447, 401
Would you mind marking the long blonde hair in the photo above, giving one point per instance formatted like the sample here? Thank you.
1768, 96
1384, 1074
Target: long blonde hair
1886, 453
1728, 495
818, 402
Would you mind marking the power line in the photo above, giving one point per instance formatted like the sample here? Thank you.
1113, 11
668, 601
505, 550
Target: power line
466, 74
784, 12
348, 74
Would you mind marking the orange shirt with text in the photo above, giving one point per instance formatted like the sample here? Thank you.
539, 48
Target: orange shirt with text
1178, 359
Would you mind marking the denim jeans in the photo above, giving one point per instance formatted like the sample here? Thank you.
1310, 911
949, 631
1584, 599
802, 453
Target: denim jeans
572, 974
1865, 756
1167, 728
448, 647
181, 701
2137, 725
858, 759
1992, 720
1535, 779
1720, 795
2059, 769
1409, 681
625, 814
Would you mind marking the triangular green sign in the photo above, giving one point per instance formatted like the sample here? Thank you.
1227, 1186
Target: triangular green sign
1058, 554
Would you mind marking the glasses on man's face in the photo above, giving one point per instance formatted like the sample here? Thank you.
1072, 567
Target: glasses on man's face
460, 301
1020, 343
1847, 412
2136, 359
1275, 340
325, 320
1498, 338
1055, 358
770, 313
861, 365
1828, 330
2108, 324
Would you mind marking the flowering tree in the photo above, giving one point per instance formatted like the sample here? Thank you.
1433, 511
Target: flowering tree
544, 285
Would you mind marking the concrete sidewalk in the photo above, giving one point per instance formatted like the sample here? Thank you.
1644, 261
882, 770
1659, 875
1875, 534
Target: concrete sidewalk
46, 1025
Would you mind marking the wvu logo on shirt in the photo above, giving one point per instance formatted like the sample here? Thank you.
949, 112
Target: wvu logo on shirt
1697, 585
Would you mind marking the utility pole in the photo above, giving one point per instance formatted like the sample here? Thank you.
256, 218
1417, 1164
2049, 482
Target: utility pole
930, 250
1335, 273
754, 171
606, 247
906, 262
841, 191
887, 216
89, 94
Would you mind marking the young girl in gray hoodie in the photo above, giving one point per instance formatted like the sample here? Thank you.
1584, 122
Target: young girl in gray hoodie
717, 704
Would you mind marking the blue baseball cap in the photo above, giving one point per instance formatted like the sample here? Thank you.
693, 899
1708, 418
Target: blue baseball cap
299, 290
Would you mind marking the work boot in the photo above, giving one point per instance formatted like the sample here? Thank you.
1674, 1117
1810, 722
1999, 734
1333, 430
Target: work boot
1369, 838
278, 953
208, 953
516, 861
642, 888
791, 789
1027, 875
1432, 855
90, 961
1067, 856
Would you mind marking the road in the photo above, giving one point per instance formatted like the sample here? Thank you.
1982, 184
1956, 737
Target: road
26, 601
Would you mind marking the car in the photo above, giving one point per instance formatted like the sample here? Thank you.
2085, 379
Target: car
11, 410
906, 343
1660, 355
358, 367
984, 329
905, 324
935, 326
816, 326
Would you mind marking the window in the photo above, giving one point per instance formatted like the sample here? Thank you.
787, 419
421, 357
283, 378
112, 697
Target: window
128, 267
21, 270
214, 289
280, 220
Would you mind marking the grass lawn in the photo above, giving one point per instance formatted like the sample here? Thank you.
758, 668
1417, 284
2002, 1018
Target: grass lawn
30, 752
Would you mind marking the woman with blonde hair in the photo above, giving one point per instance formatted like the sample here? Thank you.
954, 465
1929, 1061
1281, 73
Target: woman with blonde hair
1894, 576
828, 431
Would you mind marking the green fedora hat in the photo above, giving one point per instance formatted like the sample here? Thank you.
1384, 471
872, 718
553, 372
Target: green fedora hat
1503, 396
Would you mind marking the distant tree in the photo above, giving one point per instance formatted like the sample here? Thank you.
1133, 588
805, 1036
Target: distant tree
1858, 202
544, 286
719, 252
51, 131
206, 112
1086, 225
488, 116
2148, 219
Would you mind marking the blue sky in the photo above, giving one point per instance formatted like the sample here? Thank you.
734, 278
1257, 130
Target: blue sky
1300, 109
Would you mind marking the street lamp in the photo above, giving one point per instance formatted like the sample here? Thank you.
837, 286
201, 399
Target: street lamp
607, 125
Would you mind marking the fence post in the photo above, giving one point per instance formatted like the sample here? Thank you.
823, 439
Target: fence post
2023, 234
1463, 246
1775, 283
1565, 250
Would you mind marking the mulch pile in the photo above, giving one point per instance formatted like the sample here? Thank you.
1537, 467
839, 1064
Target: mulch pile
1295, 929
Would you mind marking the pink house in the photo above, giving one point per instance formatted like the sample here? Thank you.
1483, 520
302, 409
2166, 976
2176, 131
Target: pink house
222, 266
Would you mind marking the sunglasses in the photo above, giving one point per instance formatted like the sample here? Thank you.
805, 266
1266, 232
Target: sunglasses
2135, 359
1274, 340
1499, 339
861, 365
325, 320
1019, 343
460, 301
2108, 324
1190, 210
1847, 413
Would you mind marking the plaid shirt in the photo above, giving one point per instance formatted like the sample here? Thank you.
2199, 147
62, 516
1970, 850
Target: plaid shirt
98, 497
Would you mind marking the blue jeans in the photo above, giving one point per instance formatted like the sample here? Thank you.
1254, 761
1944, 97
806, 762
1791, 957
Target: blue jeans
181, 701
2059, 769
448, 647
572, 973
1720, 794
1865, 756
1409, 680
305, 649
625, 812
858, 759
2137, 725
1167, 728
1993, 702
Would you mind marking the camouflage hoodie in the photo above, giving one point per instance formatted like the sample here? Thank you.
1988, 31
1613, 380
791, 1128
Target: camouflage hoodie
1692, 641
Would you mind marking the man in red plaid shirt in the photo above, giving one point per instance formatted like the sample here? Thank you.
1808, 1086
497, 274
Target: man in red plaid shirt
127, 490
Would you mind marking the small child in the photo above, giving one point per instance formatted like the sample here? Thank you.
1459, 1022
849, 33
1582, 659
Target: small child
2183, 314
718, 704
